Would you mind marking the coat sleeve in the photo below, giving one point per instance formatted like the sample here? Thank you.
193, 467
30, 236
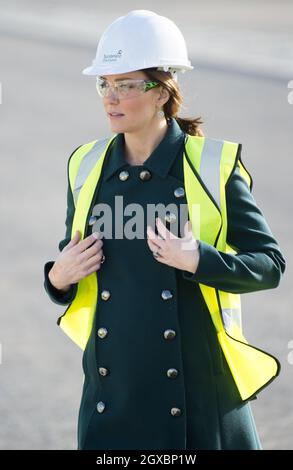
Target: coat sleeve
258, 263
56, 295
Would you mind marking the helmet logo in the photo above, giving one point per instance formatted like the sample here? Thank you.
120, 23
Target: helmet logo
112, 57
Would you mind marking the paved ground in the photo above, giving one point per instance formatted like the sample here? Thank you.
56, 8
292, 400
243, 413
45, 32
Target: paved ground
240, 87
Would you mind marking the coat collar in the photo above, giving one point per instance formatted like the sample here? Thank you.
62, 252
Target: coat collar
160, 160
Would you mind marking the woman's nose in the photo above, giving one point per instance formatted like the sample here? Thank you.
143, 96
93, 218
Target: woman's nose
112, 95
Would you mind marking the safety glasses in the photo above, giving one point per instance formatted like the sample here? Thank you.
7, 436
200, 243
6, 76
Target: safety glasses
124, 89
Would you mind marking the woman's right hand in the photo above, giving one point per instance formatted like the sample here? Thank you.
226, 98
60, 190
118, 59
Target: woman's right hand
77, 260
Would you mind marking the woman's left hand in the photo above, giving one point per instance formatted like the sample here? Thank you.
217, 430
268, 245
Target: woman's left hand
181, 253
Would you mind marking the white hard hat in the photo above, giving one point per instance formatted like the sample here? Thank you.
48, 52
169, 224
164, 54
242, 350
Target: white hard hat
139, 40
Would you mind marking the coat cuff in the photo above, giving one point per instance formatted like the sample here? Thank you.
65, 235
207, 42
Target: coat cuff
205, 265
57, 296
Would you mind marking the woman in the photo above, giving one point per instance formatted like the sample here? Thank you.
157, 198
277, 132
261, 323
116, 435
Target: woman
164, 369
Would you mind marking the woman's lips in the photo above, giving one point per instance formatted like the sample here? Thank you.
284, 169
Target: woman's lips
115, 116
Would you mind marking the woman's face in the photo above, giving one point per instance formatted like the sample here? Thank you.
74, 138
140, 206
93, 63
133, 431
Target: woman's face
138, 112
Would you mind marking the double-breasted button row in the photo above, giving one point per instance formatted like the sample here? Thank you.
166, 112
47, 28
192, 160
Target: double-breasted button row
144, 175
102, 333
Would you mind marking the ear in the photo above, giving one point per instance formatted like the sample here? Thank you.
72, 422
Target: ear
163, 96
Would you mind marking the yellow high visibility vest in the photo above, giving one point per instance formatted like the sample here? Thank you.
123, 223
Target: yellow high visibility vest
207, 165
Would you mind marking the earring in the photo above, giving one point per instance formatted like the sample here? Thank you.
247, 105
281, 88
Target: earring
161, 113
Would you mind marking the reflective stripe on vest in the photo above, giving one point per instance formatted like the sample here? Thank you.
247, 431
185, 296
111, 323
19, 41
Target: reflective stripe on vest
87, 164
209, 167
207, 164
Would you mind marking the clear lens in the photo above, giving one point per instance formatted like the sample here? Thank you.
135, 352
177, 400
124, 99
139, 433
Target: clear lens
102, 87
124, 89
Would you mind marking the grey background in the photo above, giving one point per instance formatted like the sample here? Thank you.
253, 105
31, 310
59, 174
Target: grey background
243, 55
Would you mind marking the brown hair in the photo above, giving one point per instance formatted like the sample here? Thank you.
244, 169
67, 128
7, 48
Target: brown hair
171, 108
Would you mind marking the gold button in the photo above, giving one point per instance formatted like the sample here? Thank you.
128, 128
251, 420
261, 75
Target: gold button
179, 192
169, 334
105, 295
102, 332
101, 406
103, 371
145, 175
123, 175
175, 411
170, 217
172, 373
166, 295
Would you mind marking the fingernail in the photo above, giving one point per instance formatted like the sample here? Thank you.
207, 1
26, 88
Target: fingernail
96, 235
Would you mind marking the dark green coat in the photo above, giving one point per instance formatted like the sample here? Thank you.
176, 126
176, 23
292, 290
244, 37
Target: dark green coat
137, 393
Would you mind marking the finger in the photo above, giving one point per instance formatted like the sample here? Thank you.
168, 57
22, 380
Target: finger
190, 242
156, 249
151, 233
188, 231
152, 245
93, 268
73, 241
154, 239
93, 261
91, 251
151, 238
187, 228
163, 231
160, 259
88, 241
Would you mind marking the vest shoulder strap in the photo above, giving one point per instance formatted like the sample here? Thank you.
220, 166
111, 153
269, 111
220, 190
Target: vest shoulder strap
75, 160
82, 161
213, 161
